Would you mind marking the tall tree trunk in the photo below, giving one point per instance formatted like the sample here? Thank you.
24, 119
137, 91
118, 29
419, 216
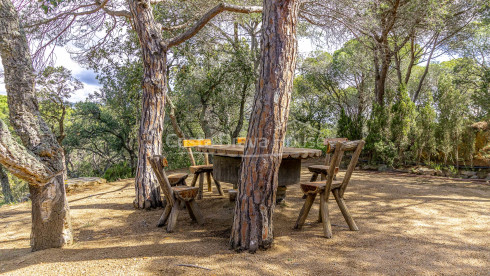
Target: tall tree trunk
41, 160
252, 226
382, 73
206, 128
153, 102
241, 113
7, 193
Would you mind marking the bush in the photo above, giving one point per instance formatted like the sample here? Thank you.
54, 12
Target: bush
18, 187
118, 171
385, 152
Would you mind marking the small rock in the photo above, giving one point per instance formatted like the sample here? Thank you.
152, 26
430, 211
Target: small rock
405, 170
426, 171
468, 174
439, 173
370, 167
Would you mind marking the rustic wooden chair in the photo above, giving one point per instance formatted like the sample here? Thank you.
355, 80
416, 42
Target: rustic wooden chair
200, 170
176, 197
322, 170
337, 187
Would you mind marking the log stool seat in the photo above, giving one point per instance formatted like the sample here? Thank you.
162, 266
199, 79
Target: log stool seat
321, 170
319, 186
201, 168
318, 169
232, 193
177, 179
185, 193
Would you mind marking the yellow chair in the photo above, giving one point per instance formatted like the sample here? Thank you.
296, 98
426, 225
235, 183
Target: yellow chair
200, 170
241, 140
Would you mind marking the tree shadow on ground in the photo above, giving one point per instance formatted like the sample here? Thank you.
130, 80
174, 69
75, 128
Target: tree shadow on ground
406, 226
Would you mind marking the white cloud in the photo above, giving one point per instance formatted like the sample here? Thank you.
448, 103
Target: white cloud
63, 59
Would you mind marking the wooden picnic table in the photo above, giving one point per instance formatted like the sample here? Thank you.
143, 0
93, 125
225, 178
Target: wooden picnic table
227, 160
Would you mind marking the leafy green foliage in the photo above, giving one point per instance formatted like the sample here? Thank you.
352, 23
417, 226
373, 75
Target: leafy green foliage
348, 128
213, 87
54, 87
378, 141
402, 121
117, 171
424, 131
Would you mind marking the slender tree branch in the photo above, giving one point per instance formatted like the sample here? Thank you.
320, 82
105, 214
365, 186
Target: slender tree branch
207, 17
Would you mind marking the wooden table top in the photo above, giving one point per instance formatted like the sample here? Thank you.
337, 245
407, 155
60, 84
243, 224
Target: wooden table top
237, 151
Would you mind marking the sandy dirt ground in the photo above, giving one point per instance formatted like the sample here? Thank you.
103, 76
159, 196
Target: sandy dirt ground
408, 225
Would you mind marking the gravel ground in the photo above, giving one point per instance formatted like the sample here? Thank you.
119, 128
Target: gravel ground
408, 225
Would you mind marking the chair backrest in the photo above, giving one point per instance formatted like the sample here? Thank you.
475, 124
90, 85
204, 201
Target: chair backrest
190, 143
329, 142
158, 163
241, 140
339, 148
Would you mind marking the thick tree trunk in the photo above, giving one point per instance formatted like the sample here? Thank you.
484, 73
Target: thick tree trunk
252, 226
153, 103
41, 162
7, 193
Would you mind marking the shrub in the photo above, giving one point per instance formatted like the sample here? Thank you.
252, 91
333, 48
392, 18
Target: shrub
118, 171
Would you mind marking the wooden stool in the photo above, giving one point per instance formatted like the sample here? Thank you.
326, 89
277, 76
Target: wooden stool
200, 170
232, 193
177, 179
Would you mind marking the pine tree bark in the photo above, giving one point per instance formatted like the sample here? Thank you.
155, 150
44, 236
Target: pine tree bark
153, 98
40, 160
252, 226
6, 191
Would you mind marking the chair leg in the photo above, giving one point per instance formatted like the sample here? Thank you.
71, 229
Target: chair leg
194, 180
303, 214
208, 178
314, 177
323, 177
327, 227
172, 219
201, 186
192, 206
218, 185
345, 212
189, 209
320, 219
164, 217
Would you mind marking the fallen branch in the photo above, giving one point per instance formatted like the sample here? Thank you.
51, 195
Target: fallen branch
194, 266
